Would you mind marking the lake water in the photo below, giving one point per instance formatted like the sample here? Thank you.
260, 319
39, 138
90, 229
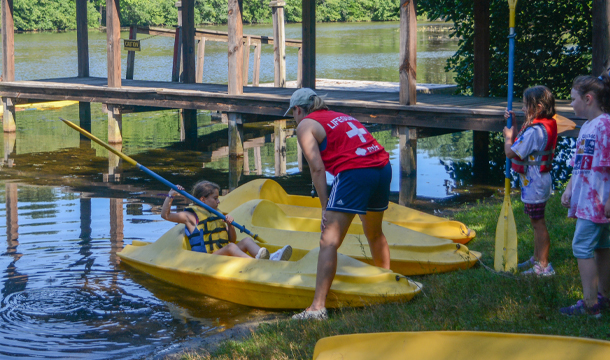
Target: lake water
69, 207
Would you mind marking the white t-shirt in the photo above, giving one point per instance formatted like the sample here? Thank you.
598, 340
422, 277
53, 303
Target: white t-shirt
591, 171
535, 186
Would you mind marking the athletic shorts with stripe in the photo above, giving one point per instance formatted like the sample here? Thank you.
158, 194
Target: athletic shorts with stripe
360, 190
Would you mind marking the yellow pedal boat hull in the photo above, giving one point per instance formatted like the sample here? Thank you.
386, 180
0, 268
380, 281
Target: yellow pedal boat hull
306, 206
459, 345
48, 105
411, 252
264, 283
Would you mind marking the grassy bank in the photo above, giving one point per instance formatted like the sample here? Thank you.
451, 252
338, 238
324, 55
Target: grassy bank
475, 299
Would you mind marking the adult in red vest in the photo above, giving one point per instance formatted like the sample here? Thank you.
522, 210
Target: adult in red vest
341, 145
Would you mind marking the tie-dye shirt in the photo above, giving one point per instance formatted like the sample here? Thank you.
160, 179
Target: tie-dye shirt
591, 171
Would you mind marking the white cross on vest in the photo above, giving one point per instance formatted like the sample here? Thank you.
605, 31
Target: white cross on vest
355, 131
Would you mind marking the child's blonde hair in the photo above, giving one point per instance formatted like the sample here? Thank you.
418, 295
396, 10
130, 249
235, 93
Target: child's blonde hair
204, 189
534, 96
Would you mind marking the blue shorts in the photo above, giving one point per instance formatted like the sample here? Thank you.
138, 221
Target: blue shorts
588, 237
360, 190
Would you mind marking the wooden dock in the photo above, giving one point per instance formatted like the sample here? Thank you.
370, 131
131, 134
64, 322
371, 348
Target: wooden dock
433, 111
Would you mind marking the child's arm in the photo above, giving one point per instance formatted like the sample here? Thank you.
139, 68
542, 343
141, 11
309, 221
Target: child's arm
230, 229
566, 197
182, 217
508, 142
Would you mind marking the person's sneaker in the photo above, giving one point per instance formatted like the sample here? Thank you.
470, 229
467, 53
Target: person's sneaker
581, 309
527, 264
263, 253
540, 271
282, 254
604, 302
311, 315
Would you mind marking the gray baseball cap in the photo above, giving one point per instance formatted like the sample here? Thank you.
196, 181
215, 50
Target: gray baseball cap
301, 97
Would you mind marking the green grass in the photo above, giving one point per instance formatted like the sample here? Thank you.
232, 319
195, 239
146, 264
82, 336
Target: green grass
476, 299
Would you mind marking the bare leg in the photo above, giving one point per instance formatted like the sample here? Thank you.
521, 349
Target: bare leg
589, 278
602, 259
232, 249
542, 242
371, 224
247, 244
336, 227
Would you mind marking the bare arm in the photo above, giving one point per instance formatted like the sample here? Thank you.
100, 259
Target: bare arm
566, 197
182, 217
509, 138
306, 134
230, 228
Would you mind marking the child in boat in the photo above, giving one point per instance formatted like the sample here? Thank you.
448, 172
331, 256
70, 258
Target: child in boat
587, 194
531, 155
209, 233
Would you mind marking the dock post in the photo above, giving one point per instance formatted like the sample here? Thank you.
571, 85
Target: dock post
8, 62
114, 161
256, 71
82, 44
279, 43
12, 219
236, 47
200, 60
10, 140
113, 38
236, 145
116, 229
308, 27
279, 127
85, 219
300, 67
235, 170
246, 162
408, 164
131, 55
258, 161
408, 53
246, 62
115, 124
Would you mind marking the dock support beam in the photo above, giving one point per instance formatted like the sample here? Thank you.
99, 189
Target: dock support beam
256, 67
12, 219
279, 43
200, 60
408, 164
82, 44
131, 55
189, 116
246, 62
236, 145
601, 35
113, 36
115, 124
279, 127
309, 43
408, 53
236, 47
8, 63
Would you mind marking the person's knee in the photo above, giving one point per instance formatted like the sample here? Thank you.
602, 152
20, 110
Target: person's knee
232, 248
329, 243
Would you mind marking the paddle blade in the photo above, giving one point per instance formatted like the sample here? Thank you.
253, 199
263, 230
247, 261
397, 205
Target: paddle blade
564, 124
505, 258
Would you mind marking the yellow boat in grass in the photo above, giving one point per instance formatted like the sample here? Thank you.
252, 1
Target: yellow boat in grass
411, 252
308, 207
459, 345
264, 283
47, 105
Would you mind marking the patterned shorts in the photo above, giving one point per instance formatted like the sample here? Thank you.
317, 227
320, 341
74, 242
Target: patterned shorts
535, 211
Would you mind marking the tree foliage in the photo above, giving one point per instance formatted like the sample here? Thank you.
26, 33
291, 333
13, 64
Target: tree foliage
553, 43
49, 14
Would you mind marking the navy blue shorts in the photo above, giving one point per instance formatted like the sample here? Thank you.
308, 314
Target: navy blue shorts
360, 190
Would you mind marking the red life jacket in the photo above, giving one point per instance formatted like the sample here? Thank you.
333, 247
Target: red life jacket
348, 144
546, 162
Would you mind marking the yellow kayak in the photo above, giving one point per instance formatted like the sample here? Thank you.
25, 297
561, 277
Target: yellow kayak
48, 105
306, 206
459, 345
411, 252
264, 283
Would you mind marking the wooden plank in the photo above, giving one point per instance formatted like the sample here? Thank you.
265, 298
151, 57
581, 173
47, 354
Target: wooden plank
217, 36
236, 59
246, 62
256, 71
408, 52
200, 60
309, 43
82, 38
481, 48
601, 36
131, 55
188, 41
113, 31
279, 48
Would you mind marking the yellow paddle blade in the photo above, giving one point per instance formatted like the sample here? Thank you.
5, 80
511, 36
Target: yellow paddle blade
505, 258
564, 124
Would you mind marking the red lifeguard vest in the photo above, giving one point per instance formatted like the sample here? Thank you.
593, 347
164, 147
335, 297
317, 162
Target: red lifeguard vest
546, 162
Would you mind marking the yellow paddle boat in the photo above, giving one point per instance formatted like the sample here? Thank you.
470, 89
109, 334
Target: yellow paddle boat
411, 252
47, 105
264, 283
459, 345
308, 207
